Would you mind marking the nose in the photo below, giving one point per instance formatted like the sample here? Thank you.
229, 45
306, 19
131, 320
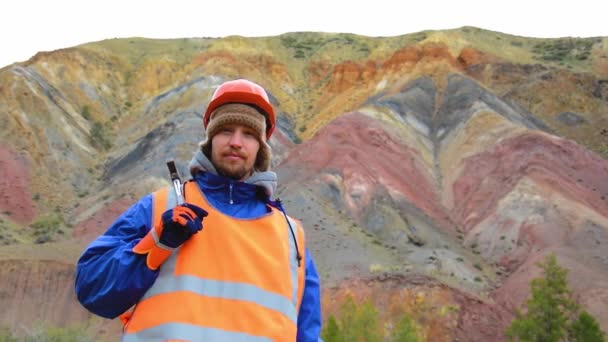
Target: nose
236, 139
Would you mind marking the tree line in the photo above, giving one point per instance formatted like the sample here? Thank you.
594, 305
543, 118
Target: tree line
550, 314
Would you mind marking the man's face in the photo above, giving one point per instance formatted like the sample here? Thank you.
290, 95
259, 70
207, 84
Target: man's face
234, 150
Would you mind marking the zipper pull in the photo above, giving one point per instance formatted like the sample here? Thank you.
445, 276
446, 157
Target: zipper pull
230, 193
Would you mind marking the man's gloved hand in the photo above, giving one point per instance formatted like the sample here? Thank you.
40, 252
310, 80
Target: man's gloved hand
180, 223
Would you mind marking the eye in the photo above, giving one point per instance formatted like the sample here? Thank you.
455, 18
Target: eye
227, 130
250, 133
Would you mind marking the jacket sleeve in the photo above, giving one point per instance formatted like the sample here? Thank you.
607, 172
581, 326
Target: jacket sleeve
110, 278
309, 317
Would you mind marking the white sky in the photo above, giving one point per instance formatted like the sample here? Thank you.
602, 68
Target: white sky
29, 26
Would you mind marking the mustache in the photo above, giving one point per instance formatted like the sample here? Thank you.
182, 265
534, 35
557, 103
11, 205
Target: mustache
234, 152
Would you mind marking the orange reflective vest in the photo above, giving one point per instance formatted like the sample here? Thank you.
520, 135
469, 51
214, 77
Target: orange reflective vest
235, 280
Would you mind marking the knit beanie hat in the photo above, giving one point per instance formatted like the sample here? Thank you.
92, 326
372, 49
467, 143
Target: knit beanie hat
241, 114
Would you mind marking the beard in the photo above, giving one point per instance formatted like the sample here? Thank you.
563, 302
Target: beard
236, 173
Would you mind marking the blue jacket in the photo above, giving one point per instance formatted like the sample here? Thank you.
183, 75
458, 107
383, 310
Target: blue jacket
110, 278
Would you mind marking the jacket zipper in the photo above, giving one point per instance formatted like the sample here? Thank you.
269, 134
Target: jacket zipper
230, 193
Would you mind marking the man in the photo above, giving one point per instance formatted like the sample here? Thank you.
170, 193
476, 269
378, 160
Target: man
226, 265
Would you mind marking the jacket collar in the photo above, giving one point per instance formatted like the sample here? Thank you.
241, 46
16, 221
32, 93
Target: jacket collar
267, 180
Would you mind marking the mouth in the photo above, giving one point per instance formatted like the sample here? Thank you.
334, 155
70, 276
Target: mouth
233, 156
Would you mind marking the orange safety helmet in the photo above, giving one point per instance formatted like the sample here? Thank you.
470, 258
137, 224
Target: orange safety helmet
242, 91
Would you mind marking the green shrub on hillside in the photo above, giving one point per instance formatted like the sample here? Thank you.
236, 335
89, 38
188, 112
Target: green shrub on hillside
100, 136
355, 323
359, 322
405, 331
552, 314
6, 336
303, 47
331, 330
46, 227
585, 328
306, 45
44, 333
86, 112
418, 37
564, 49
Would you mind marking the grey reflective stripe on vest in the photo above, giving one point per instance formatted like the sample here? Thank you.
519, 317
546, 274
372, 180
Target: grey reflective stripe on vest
224, 289
158, 243
189, 332
167, 282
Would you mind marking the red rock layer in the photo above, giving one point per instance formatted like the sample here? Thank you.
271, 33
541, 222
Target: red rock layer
15, 195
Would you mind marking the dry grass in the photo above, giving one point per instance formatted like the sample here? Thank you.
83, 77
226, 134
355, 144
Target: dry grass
64, 251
